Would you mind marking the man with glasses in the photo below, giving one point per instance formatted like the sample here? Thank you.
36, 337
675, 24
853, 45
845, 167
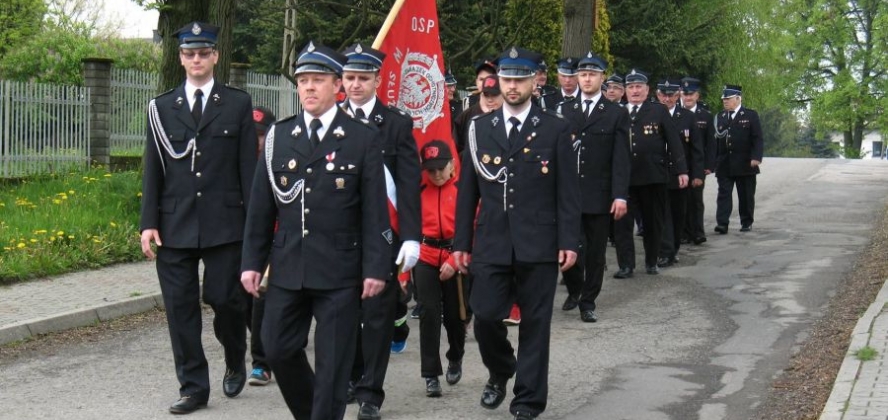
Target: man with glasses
198, 169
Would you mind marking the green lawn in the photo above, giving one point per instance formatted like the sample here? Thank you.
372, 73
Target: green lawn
60, 223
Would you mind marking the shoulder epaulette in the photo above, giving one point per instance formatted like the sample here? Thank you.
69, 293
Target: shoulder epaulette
553, 113
236, 88
399, 111
166, 93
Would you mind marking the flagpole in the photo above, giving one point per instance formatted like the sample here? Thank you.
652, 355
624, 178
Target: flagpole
389, 20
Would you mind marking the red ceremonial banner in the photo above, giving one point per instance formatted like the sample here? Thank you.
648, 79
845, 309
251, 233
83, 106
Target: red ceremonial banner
413, 71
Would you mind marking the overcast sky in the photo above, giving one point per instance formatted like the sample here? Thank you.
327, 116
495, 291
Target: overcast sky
137, 23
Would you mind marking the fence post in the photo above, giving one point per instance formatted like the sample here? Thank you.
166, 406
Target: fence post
97, 78
237, 76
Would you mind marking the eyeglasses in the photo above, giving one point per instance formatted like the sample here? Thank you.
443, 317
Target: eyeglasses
203, 54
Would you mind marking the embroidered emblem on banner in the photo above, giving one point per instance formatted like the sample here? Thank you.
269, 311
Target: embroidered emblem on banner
422, 89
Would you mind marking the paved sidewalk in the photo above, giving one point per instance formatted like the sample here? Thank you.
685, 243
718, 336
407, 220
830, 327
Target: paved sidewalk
861, 388
76, 299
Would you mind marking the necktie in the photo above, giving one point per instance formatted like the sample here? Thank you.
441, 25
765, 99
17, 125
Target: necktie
588, 107
513, 132
568, 98
314, 137
633, 112
359, 113
197, 110
730, 117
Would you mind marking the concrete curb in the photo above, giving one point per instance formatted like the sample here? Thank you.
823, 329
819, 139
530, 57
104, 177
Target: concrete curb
848, 373
79, 318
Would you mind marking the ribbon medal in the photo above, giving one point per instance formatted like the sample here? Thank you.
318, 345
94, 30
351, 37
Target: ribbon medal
330, 166
545, 168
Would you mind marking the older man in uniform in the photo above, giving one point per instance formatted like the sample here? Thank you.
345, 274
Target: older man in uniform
692, 148
651, 133
739, 154
602, 128
361, 78
690, 97
521, 167
615, 89
199, 161
321, 177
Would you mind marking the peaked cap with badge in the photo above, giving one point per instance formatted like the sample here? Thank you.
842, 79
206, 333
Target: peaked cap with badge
362, 58
197, 35
318, 58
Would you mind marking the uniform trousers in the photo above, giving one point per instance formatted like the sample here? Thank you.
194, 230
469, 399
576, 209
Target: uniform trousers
745, 197
439, 298
575, 276
694, 228
318, 394
676, 213
255, 310
532, 287
177, 270
378, 315
624, 242
651, 201
591, 262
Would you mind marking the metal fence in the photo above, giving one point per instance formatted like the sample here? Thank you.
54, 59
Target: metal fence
43, 128
130, 92
274, 92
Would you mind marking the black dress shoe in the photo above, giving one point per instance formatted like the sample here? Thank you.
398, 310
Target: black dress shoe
699, 240
745, 228
588, 316
368, 412
665, 262
233, 382
685, 241
493, 394
523, 415
454, 372
570, 303
722, 229
652, 270
433, 387
187, 405
624, 273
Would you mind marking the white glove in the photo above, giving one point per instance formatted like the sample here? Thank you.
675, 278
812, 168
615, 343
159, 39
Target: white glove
408, 255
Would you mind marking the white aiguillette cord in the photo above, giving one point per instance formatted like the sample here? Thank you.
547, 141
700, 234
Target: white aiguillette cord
501, 176
288, 196
162, 140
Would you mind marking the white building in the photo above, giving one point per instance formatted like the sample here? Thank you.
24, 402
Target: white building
873, 145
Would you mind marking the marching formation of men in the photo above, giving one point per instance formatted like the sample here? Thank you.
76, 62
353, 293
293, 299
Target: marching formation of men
541, 179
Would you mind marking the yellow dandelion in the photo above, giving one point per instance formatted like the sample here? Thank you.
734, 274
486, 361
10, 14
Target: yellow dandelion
2, 204
71, 192
40, 232
139, 194
107, 175
52, 238
20, 245
32, 240
60, 233
97, 241
56, 201
70, 236
114, 225
6, 248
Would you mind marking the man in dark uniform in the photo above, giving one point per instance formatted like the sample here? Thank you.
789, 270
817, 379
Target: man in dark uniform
483, 69
543, 91
199, 162
521, 166
651, 133
690, 97
361, 78
602, 128
567, 79
692, 148
321, 176
452, 96
615, 89
738, 156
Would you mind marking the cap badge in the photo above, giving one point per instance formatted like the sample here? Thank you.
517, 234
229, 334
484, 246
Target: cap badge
359, 50
196, 29
514, 53
570, 60
311, 46
589, 55
633, 72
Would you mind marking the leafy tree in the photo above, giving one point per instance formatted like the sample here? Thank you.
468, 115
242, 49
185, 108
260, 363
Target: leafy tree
537, 25
19, 21
258, 30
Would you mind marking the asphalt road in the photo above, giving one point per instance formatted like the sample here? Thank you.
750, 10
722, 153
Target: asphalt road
703, 340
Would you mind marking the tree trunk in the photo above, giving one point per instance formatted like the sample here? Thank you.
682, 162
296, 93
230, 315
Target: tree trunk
222, 15
579, 25
174, 15
858, 133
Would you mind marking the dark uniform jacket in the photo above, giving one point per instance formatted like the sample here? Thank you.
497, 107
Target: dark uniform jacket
206, 206
692, 146
649, 136
547, 97
741, 144
346, 235
401, 157
541, 211
707, 129
558, 100
604, 163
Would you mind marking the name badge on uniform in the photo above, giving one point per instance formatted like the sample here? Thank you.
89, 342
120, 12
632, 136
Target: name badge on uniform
340, 183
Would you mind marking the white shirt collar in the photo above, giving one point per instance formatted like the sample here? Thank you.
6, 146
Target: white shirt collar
326, 121
575, 93
521, 116
595, 98
367, 108
693, 110
205, 89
